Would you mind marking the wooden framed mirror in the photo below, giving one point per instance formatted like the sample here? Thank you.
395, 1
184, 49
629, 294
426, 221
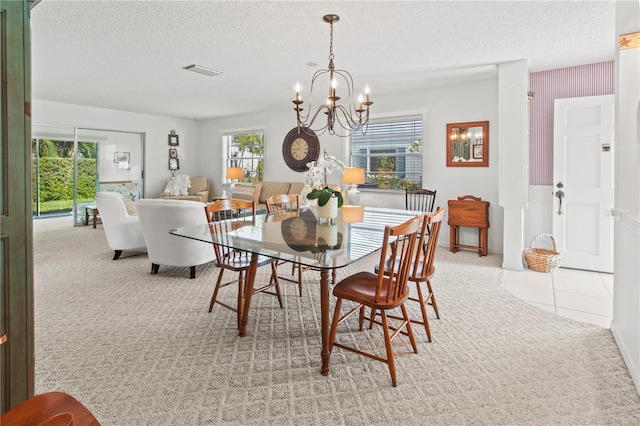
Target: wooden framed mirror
468, 144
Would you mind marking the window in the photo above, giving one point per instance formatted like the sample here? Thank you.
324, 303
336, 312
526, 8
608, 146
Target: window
390, 152
246, 150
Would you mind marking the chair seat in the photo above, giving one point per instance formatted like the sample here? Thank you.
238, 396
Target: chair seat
361, 288
51, 408
242, 261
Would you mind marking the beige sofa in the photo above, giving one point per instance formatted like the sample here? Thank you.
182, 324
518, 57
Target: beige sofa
260, 191
199, 190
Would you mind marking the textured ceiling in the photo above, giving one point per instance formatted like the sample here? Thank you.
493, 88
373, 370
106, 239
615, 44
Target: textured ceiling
128, 55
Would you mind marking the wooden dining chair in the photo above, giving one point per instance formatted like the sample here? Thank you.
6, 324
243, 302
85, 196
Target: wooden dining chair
49, 409
279, 203
381, 292
225, 216
422, 269
420, 199
283, 203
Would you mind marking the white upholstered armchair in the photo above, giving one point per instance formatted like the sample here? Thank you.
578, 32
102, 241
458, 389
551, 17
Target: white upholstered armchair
157, 217
183, 187
122, 229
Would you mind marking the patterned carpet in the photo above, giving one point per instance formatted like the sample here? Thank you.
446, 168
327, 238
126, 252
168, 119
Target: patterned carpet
143, 350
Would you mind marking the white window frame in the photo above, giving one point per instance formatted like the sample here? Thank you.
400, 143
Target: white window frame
417, 171
227, 138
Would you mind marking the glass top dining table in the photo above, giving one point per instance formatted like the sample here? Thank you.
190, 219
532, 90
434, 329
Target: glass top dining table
300, 237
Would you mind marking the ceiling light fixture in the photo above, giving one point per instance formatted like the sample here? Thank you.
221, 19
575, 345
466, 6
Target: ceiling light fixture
352, 117
202, 70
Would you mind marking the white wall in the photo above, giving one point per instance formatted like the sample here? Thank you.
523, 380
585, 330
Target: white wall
155, 128
473, 101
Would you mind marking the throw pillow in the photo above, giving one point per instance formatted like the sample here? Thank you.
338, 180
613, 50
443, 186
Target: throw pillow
130, 206
246, 192
178, 185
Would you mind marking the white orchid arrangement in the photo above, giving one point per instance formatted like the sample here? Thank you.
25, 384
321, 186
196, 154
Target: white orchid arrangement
315, 177
415, 146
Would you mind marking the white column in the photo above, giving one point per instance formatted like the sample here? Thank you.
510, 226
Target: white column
513, 159
625, 325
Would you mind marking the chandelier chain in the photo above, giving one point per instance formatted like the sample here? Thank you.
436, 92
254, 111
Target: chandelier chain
331, 43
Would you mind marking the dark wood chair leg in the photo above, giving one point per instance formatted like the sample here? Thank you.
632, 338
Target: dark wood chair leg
117, 254
215, 291
423, 308
387, 343
432, 299
192, 273
154, 268
273, 280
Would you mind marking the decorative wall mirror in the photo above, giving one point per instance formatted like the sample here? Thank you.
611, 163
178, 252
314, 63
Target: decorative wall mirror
468, 144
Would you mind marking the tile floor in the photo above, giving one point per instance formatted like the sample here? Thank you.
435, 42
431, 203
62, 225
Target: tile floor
580, 295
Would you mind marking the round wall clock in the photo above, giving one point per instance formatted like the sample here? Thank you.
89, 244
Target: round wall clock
300, 147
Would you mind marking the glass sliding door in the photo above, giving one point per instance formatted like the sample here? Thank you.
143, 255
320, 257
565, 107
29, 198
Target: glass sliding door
119, 165
71, 164
53, 169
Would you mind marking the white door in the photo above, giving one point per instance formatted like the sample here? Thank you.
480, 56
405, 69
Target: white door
583, 145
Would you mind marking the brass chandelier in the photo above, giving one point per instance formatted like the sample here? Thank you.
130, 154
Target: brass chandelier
352, 117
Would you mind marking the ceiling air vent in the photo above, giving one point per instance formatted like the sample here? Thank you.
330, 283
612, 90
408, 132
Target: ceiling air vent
202, 70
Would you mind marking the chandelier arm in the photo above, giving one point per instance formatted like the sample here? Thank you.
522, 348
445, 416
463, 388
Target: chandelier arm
309, 122
350, 88
305, 117
350, 121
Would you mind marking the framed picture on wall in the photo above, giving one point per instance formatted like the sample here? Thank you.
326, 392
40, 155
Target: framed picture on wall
121, 157
174, 164
173, 153
173, 140
477, 151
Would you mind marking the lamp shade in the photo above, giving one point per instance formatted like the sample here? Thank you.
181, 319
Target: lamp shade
353, 175
352, 214
234, 172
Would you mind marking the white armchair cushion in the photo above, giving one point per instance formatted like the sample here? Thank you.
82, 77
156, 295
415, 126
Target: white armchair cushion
123, 230
158, 216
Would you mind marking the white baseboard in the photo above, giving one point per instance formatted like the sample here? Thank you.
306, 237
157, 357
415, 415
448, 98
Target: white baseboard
626, 356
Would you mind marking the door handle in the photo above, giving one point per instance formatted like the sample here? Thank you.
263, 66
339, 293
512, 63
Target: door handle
560, 195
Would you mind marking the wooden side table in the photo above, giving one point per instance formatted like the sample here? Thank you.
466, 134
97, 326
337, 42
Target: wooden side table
94, 210
468, 211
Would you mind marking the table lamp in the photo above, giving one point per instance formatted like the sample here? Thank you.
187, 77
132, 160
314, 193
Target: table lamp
233, 174
352, 214
353, 176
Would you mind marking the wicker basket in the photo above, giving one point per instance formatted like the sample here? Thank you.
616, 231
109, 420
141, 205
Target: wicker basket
542, 260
